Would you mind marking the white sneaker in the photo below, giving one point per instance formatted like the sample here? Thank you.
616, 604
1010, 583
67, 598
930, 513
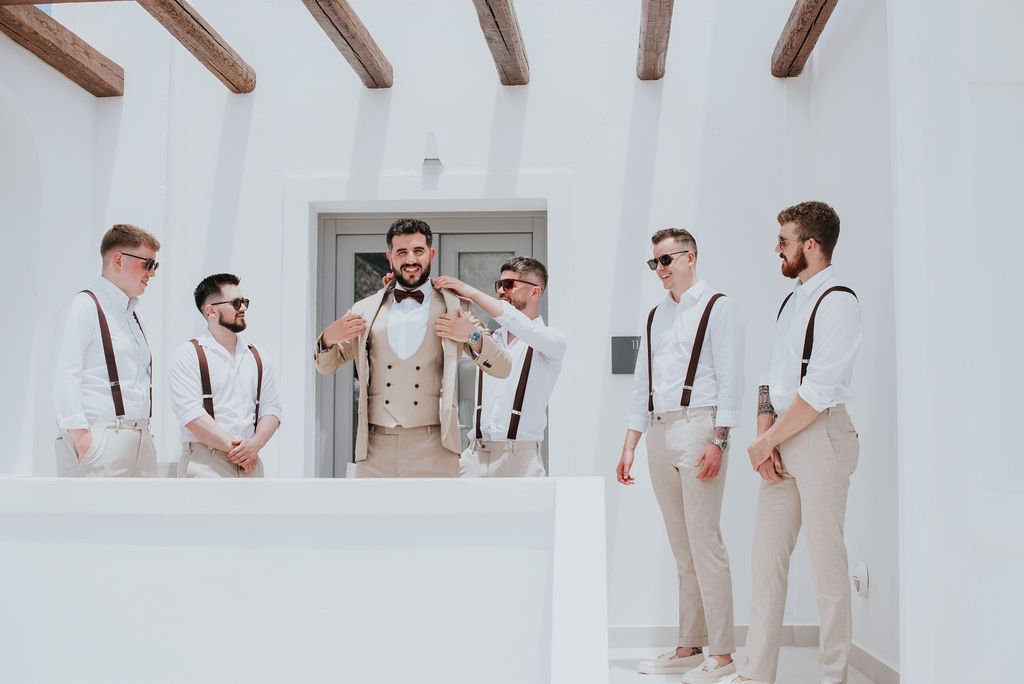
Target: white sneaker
710, 672
735, 679
668, 663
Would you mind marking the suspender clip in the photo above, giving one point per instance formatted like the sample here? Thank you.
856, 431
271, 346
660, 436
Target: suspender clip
687, 387
116, 383
206, 396
516, 413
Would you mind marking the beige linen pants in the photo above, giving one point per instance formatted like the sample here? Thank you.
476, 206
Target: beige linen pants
120, 448
501, 459
818, 463
407, 452
200, 460
692, 509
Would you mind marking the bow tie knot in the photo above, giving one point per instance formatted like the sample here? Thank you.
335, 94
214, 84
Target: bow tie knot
408, 294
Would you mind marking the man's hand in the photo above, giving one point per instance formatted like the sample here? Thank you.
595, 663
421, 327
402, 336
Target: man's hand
82, 439
454, 327
388, 277
625, 464
455, 285
244, 453
344, 329
710, 462
771, 470
760, 450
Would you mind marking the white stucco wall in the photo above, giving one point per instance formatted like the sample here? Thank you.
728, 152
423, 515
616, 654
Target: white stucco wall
718, 146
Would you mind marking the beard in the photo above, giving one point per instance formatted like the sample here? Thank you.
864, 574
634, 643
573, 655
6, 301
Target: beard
518, 305
235, 326
791, 269
409, 284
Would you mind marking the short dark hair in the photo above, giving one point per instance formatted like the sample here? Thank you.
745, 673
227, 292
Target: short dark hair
683, 237
410, 226
211, 286
815, 220
127, 235
527, 266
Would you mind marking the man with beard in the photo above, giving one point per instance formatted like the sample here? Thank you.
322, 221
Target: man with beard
511, 413
687, 395
405, 341
806, 448
103, 381
223, 389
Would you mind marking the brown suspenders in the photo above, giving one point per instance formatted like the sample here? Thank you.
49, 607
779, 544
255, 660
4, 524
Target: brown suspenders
805, 357
108, 354
517, 403
695, 352
204, 379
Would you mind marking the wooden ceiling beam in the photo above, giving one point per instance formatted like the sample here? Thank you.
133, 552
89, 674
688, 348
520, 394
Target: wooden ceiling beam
184, 23
41, 34
505, 40
655, 24
4, 3
806, 22
343, 26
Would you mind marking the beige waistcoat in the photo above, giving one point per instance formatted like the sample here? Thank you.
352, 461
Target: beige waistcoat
405, 392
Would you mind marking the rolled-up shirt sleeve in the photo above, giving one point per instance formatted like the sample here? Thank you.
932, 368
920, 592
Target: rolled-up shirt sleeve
546, 340
74, 332
727, 348
270, 397
639, 417
837, 338
186, 387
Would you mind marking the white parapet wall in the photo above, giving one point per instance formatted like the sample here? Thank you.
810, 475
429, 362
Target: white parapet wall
273, 581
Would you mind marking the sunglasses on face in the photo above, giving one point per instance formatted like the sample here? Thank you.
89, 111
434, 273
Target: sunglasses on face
509, 283
148, 264
238, 303
664, 259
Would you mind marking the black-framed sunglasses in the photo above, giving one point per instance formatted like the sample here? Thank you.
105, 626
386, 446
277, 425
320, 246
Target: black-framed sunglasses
148, 264
664, 259
237, 303
509, 283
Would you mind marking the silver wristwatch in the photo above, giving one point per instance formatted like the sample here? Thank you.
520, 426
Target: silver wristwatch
475, 337
722, 444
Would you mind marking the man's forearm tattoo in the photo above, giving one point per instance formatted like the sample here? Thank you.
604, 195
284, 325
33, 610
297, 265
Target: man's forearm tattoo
764, 401
722, 433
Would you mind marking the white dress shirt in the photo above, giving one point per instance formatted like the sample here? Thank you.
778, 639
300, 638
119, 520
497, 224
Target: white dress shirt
81, 386
407, 322
233, 382
719, 380
837, 337
499, 393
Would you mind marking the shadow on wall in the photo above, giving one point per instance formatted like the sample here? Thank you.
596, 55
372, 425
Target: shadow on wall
20, 207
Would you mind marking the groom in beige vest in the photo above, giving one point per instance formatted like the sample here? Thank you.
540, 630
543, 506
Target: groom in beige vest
406, 341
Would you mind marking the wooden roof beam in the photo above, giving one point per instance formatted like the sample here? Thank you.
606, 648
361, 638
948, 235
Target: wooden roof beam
343, 26
199, 38
505, 40
655, 23
47, 2
806, 22
41, 34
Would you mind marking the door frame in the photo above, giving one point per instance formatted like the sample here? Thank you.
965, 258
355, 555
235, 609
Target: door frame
330, 225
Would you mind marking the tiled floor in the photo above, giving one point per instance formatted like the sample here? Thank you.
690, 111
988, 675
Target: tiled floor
796, 666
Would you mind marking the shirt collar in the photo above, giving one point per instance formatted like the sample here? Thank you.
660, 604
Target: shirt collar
814, 283
115, 295
691, 296
206, 339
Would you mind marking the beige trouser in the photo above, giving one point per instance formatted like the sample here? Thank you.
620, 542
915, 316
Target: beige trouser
120, 448
692, 510
200, 460
501, 459
818, 463
407, 452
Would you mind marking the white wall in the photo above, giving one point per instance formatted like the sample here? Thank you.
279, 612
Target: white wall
957, 106
718, 146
